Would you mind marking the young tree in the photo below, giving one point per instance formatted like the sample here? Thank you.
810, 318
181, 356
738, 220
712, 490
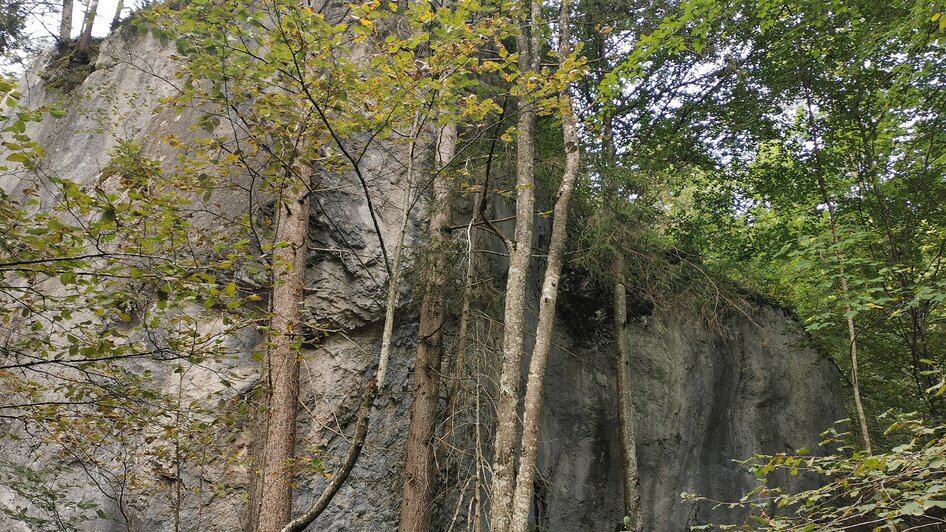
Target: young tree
630, 473
569, 68
842, 275
419, 474
84, 45
520, 253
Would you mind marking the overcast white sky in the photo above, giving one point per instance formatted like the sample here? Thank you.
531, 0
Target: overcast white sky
106, 11
44, 26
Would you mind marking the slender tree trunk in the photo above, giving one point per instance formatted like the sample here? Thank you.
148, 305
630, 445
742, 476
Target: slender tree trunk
338, 479
836, 240
472, 234
118, 13
478, 458
533, 397
627, 435
630, 473
274, 499
520, 250
377, 382
852, 336
419, 474
465, 311
84, 47
65, 23
851, 330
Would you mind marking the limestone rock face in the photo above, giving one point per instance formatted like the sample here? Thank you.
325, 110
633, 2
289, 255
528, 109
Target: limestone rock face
702, 397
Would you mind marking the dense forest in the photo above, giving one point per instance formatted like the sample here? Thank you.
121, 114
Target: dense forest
467, 174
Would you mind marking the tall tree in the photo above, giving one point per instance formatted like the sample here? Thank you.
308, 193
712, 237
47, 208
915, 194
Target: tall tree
274, 499
627, 436
520, 252
419, 475
545, 327
833, 225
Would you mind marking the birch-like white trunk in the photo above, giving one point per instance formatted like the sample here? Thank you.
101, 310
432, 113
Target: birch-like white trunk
65, 23
546, 324
520, 251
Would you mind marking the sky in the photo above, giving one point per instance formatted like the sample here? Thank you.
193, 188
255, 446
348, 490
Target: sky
43, 26
106, 10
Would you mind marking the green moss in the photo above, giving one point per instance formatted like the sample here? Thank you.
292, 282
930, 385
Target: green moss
63, 74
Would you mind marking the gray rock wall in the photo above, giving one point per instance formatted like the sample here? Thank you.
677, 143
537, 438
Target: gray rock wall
702, 397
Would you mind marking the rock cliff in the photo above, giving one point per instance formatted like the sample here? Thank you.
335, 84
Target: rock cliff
703, 397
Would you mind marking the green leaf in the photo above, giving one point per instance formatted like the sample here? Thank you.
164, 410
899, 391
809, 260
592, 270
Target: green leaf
912, 508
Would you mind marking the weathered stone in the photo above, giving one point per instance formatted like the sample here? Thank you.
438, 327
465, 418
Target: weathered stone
703, 397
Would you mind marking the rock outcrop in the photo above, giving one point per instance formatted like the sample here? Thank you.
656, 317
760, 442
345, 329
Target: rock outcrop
703, 397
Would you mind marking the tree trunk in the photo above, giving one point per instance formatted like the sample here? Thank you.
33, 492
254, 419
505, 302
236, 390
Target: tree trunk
465, 312
543, 338
84, 47
520, 251
338, 479
836, 240
274, 499
472, 237
65, 23
419, 474
630, 473
118, 13
627, 436
852, 336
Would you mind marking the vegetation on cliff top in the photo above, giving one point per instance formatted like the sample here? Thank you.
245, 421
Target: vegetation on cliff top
794, 147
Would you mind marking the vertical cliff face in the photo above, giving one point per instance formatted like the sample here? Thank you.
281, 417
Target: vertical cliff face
702, 397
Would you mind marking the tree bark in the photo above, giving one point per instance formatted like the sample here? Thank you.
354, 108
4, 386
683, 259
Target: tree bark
65, 23
377, 382
419, 474
852, 336
520, 250
546, 324
627, 436
274, 501
84, 47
